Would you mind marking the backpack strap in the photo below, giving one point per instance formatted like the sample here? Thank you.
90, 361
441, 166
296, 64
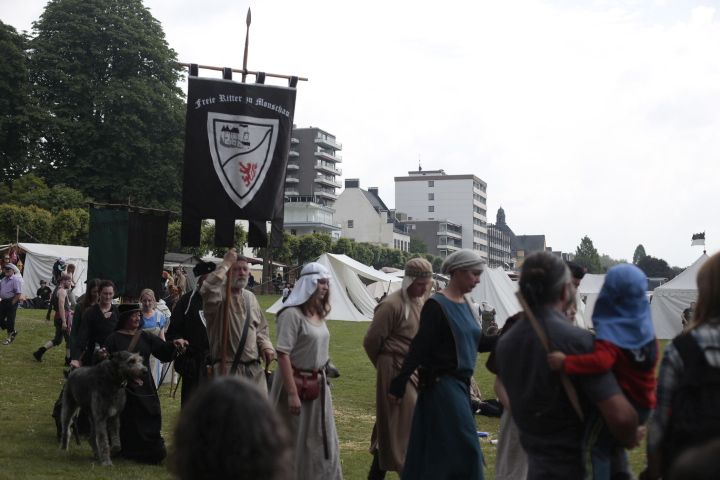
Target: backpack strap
690, 352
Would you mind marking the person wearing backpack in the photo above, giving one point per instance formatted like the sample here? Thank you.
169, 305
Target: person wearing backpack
688, 394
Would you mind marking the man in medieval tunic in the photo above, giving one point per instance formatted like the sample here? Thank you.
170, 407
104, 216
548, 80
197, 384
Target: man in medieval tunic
387, 341
226, 321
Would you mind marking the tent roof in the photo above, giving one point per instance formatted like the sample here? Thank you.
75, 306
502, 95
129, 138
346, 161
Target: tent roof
686, 280
591, 283
349, 299
498, 290
67, 251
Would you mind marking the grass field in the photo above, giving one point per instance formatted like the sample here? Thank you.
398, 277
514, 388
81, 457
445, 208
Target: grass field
28, 389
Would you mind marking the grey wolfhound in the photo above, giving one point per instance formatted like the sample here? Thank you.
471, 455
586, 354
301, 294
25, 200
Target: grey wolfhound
100, 390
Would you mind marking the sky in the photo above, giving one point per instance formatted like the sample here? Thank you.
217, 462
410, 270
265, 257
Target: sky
597, 118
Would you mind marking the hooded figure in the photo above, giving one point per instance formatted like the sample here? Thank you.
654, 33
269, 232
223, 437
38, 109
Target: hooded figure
386, 343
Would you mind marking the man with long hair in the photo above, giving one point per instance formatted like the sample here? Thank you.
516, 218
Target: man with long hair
227, 306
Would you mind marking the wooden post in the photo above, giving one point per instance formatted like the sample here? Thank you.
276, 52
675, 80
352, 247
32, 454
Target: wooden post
247, 42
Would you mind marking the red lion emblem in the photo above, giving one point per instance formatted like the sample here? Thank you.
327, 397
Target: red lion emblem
248, 171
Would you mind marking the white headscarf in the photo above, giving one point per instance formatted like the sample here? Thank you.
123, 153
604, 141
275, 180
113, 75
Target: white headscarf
306, 284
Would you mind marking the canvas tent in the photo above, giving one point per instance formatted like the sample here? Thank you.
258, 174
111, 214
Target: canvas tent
349, 299
670, 299
39, 260
588, 291
498, 290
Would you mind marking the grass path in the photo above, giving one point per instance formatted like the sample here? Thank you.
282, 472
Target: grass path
28, 390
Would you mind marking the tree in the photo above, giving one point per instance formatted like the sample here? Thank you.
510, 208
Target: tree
32, 190
344, 246
587, 256
655, 267
607, 262
417, 245
106, 83
437, 264
15, 107
639, 254
312, 246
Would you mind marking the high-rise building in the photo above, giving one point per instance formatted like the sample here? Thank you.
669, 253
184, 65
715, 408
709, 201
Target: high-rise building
311, 181
458, 199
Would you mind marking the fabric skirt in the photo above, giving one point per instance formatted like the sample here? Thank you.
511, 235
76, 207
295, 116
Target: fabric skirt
443, 440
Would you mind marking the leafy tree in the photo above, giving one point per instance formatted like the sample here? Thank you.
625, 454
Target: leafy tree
36, 224
32, 190
639, 254
417, 245
312, 246
15, 107
344, 246
363, 253
106, 84
606, 262
437, 264
655, 267
587, 256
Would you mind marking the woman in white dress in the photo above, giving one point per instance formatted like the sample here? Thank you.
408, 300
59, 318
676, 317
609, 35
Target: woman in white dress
301, 391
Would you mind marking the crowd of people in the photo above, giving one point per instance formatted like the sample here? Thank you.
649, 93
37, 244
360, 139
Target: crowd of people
573, 401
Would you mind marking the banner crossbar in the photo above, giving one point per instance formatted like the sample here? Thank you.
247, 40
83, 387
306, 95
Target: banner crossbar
243, 71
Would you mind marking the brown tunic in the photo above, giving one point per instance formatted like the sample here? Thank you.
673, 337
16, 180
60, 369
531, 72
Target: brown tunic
258, 339
387, 341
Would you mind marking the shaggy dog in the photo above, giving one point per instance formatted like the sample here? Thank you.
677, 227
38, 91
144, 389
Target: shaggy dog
100, 390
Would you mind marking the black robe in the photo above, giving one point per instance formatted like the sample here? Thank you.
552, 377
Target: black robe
94, 329
189, 326
141, 420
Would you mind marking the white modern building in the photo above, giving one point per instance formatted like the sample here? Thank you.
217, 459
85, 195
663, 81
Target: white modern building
435, 195
364, 217
310, 182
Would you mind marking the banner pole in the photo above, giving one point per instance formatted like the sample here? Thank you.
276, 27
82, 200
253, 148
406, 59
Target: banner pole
247, 41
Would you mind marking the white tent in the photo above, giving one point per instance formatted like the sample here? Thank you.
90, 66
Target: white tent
498, 290
39, 260
670, 299
589, 290
349, 299
378, 289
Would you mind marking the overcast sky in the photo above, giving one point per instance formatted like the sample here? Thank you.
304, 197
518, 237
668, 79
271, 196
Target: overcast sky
598, 118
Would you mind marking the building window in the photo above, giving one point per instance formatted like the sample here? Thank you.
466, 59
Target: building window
431, 183
431, 208
351, 223
431, 196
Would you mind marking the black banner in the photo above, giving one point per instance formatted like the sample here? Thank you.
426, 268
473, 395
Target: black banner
237, 140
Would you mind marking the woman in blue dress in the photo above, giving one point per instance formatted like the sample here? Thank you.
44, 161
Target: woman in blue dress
443, 440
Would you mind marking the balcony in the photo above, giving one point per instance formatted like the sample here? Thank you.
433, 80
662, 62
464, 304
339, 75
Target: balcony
329, 181
291, 192
290, 179
326, 194
328, 143
294, 141
327, 168
328, 156
293, 153
293, 166
449, 248
450, 233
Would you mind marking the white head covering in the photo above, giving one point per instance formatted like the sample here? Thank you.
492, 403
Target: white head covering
13, 266
306, 284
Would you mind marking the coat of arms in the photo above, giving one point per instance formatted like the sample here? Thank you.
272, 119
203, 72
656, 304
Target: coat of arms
242, 150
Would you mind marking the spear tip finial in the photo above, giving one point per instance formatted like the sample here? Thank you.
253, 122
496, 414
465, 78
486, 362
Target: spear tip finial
248, 18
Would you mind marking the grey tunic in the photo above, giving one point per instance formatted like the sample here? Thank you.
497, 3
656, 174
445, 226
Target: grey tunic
307, 345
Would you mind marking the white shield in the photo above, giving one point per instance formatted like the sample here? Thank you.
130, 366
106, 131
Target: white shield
242, 150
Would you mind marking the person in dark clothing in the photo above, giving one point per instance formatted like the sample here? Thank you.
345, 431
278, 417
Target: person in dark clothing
86, 300
42, 296
98, 322
444, 351
141, 420
187, 322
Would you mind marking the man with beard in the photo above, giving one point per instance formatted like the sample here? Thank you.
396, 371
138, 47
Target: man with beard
227, 306
387, 342
187, 321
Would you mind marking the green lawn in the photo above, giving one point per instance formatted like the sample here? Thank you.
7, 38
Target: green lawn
28, 390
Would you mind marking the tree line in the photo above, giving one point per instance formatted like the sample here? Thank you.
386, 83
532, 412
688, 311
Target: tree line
89, 100
587, 256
